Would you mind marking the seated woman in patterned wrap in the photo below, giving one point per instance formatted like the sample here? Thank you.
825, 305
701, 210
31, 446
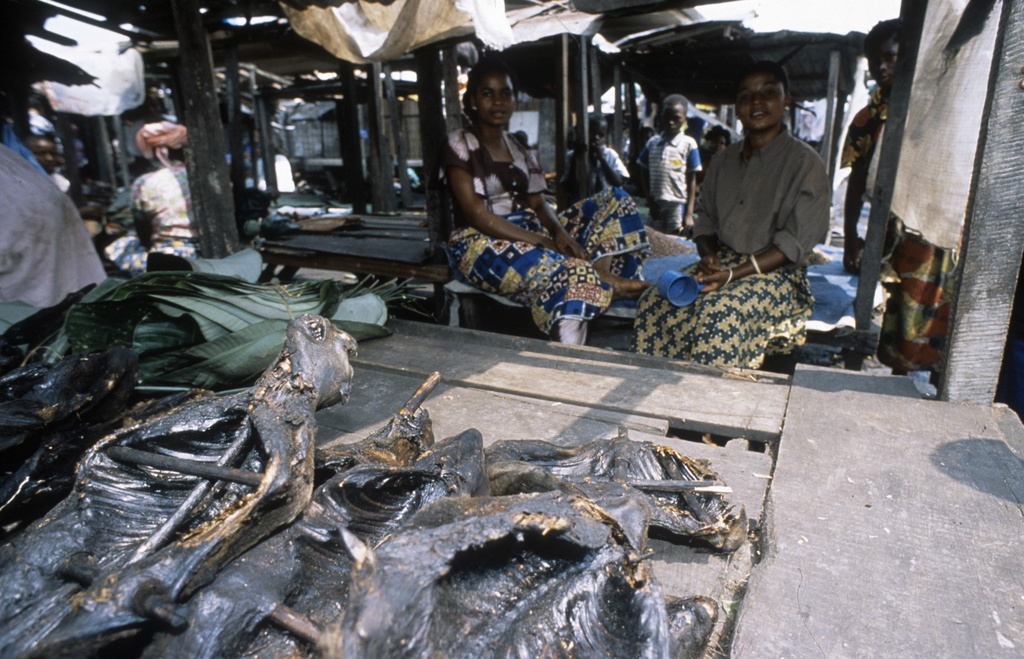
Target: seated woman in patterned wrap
565, 268
763, 207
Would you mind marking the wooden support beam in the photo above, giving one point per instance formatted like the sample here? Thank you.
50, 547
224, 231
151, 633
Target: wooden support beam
351, 144
67, 138
264, 106
993, 240
825, 148
382, 190
634, 123
108, 169
912, 13
233, 98
432, 84
397, 137
213, 208
123, 135
838, 126
562, 115
582, 129
616, 141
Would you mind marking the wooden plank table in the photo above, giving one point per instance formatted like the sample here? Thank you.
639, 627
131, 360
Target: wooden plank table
376, 245
893, 528
733, 403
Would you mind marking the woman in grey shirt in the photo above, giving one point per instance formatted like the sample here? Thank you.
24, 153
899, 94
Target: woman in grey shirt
764, 206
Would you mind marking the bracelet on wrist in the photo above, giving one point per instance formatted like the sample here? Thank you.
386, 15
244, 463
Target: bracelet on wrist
753, 262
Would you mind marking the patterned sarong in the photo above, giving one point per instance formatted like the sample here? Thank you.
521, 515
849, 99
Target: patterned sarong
552, 285
130, 256
916, 318
734, 326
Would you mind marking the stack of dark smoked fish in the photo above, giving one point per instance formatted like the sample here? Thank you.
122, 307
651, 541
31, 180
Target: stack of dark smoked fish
217, 530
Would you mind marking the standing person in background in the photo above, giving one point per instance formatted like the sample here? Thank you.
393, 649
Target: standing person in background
920, 277
881, 47
161, 202
670, 162
605, 169
715, 140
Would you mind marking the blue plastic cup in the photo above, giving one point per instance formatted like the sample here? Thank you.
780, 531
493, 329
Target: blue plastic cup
678, 288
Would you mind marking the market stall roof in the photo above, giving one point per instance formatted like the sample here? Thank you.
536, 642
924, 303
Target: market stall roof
704, 66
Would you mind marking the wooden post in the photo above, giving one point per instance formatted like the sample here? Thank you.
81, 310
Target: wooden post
583, 82
263, 107
67, 139
440, 113
825, 149
397, 138
993, 240
562, 115
122, 140
347, 113
106, 153
634, 125
881, 196
616, 141
233, 97
213, 209
382, 190
837, 134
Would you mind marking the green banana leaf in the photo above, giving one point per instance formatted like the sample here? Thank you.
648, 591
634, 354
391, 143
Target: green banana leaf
195, 329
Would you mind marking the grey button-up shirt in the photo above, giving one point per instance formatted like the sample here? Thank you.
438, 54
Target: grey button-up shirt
780, 197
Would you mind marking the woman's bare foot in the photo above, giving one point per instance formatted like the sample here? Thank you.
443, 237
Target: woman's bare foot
622, 288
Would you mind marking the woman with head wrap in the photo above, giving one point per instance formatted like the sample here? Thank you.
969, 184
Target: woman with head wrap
161, 202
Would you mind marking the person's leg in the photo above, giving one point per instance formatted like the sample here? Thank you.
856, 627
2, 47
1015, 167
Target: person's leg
672, 216
610, 228
553, 286
569, 331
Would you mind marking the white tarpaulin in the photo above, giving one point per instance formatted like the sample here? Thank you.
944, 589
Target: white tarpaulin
362, 32
120, 80
943, 122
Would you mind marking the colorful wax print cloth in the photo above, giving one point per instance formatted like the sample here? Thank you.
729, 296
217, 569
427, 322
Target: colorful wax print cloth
131, 257
552, 285
736, 325
916, 319
164, 194
504, 186
864, 131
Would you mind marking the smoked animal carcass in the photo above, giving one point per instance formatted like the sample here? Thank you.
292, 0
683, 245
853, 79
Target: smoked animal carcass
279, 597
157, 509
541, 575
665, 483
49, 415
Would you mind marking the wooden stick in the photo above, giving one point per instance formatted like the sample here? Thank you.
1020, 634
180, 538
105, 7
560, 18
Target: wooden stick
681, 486
190, 467
287, 619
421, 394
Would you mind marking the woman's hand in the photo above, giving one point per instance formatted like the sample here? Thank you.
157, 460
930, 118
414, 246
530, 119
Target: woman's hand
564, 244
713, 281
709, 265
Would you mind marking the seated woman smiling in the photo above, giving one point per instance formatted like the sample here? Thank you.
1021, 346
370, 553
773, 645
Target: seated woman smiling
566, 268
764, 206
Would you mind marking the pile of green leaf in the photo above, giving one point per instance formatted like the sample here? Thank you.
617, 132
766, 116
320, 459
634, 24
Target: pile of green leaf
194, 329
